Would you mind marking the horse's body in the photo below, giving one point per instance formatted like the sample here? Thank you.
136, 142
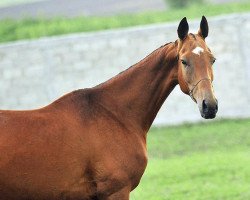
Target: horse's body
67, 149
91, 143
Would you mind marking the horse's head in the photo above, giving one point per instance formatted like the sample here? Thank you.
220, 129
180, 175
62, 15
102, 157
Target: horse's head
195, 72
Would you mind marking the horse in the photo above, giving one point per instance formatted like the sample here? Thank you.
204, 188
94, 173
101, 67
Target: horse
90, 144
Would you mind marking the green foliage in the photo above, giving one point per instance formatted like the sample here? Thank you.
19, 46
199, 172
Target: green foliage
207, 161
183, 3
11, 30
4, 3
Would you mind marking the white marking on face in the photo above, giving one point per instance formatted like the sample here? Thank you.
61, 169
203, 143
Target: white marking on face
198, 50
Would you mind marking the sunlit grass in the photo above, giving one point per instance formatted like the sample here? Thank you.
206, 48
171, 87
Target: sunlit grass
198, 162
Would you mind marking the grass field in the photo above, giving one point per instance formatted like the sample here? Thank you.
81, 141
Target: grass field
4, 3
11, 30
198, 162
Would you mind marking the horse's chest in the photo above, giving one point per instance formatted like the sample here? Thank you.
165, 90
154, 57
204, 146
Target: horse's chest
136, 169
121, 169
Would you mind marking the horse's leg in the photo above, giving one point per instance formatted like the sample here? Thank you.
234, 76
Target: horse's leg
120, 195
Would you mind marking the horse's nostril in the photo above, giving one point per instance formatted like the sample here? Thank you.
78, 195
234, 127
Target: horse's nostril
216, 107
204, 105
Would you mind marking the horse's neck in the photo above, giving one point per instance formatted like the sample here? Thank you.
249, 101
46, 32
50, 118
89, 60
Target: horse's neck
136, 95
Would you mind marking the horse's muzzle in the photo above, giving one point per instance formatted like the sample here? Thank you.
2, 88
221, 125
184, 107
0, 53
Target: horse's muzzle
208, 110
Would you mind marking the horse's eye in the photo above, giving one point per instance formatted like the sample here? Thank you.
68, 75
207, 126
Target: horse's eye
184, 62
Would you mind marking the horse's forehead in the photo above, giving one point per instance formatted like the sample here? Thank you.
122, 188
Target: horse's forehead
198, 50
196, 46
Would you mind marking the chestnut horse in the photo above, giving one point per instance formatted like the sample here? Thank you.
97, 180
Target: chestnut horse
91, 143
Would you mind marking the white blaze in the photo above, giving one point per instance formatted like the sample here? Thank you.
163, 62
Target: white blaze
198, 50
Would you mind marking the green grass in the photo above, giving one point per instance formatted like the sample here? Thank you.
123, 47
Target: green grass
198, 162
11, 30
4, 3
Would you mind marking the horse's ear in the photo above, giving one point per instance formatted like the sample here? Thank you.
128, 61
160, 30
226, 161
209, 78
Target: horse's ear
183, 29
203, 32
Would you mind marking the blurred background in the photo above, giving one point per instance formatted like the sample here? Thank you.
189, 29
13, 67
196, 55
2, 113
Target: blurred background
51, 47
